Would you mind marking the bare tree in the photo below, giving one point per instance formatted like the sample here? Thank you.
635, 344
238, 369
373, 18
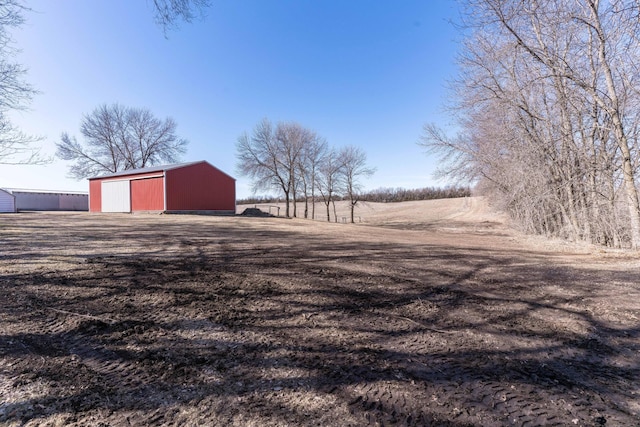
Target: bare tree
118, 138
354, 168
312, 154
548, 115
294, 159
260, 159
169, 12
272, 157
291, 140
16, 147
328, 180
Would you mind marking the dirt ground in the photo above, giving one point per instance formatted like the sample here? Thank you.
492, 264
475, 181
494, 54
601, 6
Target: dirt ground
421, 314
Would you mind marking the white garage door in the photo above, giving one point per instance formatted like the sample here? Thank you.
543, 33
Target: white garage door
116, 196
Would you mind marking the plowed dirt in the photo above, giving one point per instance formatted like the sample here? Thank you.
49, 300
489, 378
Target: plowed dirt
242, 321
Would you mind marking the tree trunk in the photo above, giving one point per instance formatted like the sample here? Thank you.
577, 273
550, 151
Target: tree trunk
286, 203
633, 203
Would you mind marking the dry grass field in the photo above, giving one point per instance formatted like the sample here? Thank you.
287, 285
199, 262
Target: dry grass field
423, 313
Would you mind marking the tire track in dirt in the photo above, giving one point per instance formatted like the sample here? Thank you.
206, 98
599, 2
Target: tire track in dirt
514, 400
230, 331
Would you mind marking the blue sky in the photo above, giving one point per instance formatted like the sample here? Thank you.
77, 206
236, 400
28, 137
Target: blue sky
358, 72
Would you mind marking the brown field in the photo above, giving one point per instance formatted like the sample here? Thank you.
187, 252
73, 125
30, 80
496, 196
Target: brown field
423, 313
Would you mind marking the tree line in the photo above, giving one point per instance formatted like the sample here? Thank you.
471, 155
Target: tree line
547, 106
392, 195
299, 164
383, 195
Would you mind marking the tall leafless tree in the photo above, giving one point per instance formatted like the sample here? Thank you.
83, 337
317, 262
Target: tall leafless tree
328, 180
354, 168
292, 159
118, 138
279, 158
260, 158
16, 147
291, 140
310, 160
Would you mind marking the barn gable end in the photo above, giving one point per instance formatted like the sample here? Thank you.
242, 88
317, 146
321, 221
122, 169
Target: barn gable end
7, 202
200, 187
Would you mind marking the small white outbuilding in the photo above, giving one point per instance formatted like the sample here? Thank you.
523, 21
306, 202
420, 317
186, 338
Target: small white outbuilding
7, 201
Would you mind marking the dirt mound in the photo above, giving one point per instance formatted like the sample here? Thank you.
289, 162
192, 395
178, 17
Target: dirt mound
255, 212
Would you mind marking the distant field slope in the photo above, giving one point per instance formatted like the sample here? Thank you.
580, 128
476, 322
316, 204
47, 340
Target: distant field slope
471, 211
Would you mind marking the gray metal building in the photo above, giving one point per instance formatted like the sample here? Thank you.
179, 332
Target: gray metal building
7, 201
42, 200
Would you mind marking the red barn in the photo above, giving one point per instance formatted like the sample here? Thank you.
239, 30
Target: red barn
196, 187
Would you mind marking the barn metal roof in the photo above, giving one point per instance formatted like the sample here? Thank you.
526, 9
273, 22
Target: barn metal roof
37, 191
161, 168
